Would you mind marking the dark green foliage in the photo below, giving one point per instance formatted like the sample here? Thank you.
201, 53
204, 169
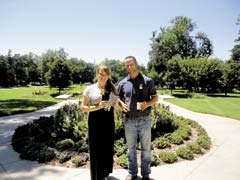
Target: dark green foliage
63, 157
162, 121
59, 74
66, 131
81, 146
31, 151
46, 154
37, 152
21, 137
69, 122
64, 144
80, 160
120, 147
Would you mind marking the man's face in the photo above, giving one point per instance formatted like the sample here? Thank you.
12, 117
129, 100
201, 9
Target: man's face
130, 65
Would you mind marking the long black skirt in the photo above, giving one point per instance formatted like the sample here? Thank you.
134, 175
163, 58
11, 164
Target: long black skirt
101, 143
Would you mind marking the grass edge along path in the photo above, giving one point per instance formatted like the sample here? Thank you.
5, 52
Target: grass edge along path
220, 106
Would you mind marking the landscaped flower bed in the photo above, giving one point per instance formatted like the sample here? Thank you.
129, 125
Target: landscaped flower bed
61, 139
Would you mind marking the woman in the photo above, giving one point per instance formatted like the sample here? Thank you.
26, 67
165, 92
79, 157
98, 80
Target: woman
98, 100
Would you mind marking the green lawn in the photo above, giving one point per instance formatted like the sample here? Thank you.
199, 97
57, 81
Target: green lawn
20, 100
218, 104
27, 99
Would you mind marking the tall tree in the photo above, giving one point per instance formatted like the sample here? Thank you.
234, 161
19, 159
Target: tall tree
59, 75
177, 40
236, 49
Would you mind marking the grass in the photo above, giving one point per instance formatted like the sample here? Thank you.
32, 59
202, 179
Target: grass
28, 99
217, 104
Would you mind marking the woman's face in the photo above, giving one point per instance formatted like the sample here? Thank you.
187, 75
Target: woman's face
102, 76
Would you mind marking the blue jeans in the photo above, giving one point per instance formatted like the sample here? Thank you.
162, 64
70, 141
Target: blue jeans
141, 129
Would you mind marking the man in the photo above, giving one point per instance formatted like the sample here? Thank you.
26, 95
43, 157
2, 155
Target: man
137, 94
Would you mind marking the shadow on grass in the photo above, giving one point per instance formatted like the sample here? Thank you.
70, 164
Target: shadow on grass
232, 95
18, 106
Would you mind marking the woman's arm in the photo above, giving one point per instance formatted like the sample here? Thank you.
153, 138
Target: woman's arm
86, 108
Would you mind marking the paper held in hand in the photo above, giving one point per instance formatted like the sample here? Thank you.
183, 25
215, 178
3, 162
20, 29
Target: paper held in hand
112, 99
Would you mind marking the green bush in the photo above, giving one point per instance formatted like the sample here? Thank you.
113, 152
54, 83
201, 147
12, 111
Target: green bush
120, 147
66, 131
168, 157
63, 157
176, 138
37, 152
64, 144
195, 148
46, 154
81, 146
185, 153
161, 142
122, 161
204, 141
155, 161
31, 151
80, 160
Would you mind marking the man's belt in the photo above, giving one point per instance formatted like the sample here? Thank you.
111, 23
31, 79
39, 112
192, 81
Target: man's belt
137, 116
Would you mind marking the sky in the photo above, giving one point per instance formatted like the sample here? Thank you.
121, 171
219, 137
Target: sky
93, 30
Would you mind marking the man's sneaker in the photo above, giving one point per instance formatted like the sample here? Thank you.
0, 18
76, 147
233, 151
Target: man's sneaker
130, 177
146, 178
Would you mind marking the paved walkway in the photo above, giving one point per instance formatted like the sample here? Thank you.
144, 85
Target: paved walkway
222, 162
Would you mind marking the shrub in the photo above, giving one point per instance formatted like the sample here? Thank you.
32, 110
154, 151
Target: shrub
120, 147
176, 138
155, 161
168, 157
31, 151
81, 146
46, 154
64, 144
21, 138
185, 153
63, 157
161, 142
195, 148
80, 160
37, 152
204, 141
122, 161
68, 127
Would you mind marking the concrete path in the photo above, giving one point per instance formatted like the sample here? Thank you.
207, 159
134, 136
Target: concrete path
222, 162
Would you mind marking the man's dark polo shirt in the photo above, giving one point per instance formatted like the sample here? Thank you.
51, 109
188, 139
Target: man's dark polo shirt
139, 89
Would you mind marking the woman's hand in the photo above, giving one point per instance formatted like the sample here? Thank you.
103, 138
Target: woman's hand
103, 104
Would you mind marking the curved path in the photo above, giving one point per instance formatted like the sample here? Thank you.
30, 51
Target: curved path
222, 162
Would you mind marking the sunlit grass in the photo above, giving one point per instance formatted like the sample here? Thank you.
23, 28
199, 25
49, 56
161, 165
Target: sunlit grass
28, 99
217, 104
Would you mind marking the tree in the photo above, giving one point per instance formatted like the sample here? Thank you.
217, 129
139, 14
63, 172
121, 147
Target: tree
47, 59
59, 75
3, 71
236, 49
177, 40
77, 68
